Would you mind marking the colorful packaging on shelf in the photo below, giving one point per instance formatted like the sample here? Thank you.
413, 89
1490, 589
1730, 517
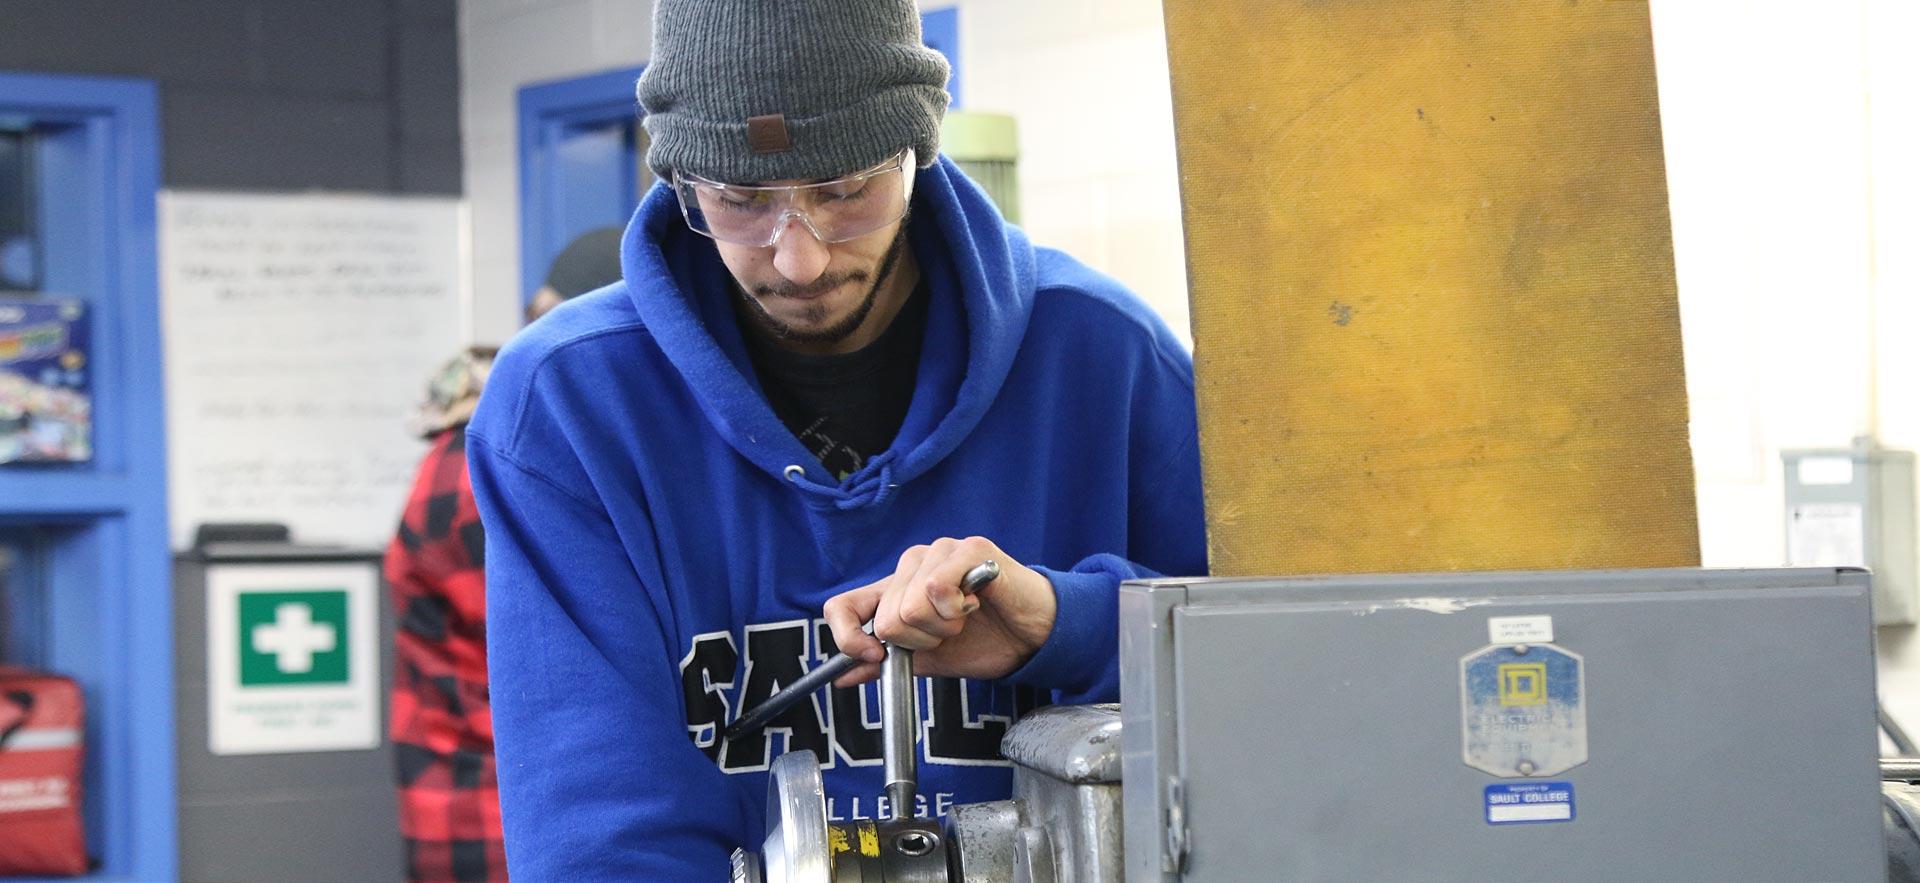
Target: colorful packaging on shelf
42, 728
46, 409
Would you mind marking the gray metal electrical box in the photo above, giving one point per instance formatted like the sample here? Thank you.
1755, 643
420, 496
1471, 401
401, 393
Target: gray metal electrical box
1597, 726
1855, 508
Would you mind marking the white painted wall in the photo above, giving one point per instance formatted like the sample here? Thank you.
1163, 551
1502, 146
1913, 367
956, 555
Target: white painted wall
1086, 81
506, 44
1791, 140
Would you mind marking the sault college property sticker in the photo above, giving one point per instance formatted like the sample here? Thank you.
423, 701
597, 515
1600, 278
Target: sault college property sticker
291, 657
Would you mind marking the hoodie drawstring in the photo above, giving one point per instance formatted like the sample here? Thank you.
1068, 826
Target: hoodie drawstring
874, 490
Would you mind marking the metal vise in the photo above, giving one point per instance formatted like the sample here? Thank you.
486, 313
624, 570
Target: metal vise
1062, 824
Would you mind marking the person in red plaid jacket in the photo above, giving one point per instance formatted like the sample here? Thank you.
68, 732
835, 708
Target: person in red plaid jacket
441, 722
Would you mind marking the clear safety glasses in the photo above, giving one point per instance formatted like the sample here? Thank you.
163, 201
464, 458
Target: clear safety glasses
833, 211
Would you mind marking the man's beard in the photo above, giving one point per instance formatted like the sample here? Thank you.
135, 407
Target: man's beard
814, 313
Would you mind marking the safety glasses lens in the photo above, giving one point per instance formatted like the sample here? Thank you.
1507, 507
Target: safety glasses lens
835, 211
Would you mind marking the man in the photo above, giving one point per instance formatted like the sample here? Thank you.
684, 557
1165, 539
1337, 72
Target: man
804, 409
590, 261
439, 713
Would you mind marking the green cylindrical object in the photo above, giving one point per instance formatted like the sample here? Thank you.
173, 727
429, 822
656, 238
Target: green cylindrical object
987, 148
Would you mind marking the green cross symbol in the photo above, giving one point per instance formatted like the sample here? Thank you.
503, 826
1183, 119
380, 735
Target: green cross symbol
293, 638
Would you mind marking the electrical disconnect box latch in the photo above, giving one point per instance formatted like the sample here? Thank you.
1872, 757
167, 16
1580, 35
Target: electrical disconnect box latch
1854, 507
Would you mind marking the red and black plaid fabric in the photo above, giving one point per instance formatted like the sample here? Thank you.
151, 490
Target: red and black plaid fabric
441, 720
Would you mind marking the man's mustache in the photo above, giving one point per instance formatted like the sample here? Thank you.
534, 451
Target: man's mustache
817, 286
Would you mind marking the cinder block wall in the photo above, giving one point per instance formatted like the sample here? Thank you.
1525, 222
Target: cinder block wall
354, 95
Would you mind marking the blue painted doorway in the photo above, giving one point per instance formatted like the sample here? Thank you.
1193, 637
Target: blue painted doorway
582, 167
84, 564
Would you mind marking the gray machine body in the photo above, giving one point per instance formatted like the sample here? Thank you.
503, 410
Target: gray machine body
1064, 821
1311, 729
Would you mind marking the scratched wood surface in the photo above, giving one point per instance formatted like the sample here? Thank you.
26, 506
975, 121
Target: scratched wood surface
1432, 285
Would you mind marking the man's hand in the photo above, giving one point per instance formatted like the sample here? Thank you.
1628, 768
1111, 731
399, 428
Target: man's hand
920, 607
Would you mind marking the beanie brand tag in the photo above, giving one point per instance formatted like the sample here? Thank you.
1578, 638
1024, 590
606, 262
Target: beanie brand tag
768, 134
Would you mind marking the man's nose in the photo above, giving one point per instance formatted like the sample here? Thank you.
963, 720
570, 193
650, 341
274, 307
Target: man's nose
798, 254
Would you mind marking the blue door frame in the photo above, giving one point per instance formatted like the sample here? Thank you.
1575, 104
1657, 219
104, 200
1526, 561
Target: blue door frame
94, 576
578, 171
940, 30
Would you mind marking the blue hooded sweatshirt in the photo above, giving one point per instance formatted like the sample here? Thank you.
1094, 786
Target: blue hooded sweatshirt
659, 545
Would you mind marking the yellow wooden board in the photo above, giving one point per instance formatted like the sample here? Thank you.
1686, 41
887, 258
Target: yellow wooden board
1432, 285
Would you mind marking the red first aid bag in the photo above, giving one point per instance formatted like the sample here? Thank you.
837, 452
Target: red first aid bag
41, 725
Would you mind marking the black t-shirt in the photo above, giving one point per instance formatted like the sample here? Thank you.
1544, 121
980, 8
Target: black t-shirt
846, 408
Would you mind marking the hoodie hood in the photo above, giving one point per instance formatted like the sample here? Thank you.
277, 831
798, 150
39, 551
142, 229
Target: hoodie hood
979, 274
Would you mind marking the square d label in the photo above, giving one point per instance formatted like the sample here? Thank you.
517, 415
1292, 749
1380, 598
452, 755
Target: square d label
291, 638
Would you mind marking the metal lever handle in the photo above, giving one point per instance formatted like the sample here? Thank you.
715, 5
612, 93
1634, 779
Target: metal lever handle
899, 727
757, 717
900, 714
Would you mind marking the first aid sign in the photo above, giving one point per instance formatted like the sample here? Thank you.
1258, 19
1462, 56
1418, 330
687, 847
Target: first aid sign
291, 657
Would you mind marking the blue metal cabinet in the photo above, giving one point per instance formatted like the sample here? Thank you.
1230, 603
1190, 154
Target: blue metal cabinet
87, 578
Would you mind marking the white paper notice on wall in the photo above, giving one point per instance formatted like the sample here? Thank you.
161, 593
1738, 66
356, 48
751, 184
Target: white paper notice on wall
1826, 535
300, 333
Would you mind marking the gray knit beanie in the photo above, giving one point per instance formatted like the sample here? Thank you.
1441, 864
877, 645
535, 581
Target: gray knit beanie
742, 91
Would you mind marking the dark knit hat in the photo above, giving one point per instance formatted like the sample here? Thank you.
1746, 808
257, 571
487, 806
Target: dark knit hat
742, 91
590, 261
